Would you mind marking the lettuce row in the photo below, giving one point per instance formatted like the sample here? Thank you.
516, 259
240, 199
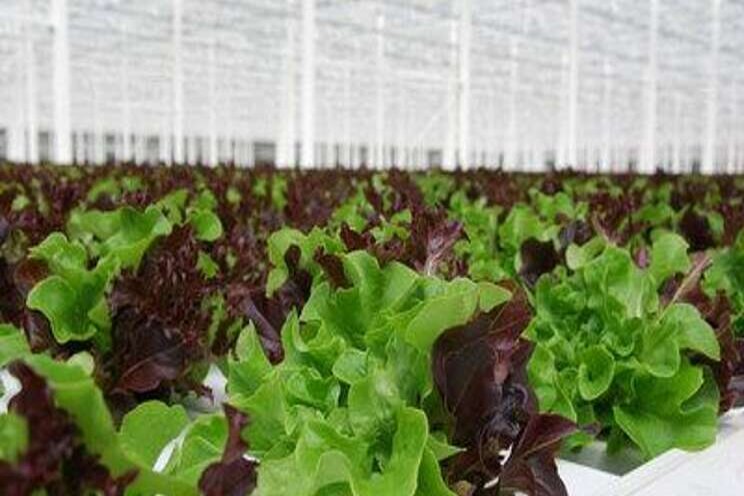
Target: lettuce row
608, 352
83, 264
494, 241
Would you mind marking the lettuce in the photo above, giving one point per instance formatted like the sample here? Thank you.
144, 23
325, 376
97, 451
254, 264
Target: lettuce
608, 352
348, 408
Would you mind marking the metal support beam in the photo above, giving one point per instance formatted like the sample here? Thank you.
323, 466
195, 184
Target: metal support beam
604, 165
61, 83
309, 74
711, 104
165, 144
178, 150
732, 128
79, 141
348, 109
465, 93
449, 159
491, 127
647, 163
561, 151
32, 125
510, 145
573, 84
379, 156
126, 106
99, 154
214, 157
16, 137
286, 155
677, 134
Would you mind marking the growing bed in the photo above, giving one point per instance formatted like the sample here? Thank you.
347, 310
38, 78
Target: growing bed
184, 331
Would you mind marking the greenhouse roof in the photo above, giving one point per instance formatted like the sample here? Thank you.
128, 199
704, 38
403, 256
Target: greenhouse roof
581, 82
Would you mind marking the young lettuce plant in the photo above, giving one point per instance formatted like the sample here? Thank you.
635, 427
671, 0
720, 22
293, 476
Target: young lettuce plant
480, 370
480, 249
348, 409
608, 352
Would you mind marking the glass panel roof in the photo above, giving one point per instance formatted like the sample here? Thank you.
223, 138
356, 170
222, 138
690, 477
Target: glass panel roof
393, 65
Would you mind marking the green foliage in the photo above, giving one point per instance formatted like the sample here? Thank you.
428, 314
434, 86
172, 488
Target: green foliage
203, 443
346, 411
125, 233
608, 352
146, 430
13, 344
480, 249
76, 393
13, 436
282, 240
207, 265
668, 257
206, 224
72, 298
726, 274
436, 187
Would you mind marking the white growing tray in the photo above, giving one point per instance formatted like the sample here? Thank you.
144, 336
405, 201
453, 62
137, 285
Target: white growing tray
715, 471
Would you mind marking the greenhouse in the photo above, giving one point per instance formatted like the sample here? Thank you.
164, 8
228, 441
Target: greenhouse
371, 247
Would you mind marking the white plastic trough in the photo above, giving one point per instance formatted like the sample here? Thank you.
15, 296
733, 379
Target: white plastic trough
718, 470
715, 471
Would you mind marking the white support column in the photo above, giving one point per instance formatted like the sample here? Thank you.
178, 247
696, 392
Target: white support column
561, 152
449, 159
188, 150
491, 126
32, 126
309, 74
79, 147
677, 134
178, 151
136, 158
164, 143
510, 145
61, 83
142, 147
250, 153
17, 134
573, 84
126, 110
287, 134
711, 104
239, 152
604, 166
214, 156
465, 93
348, 110
291, 136
99, 154
647, 164
378, 160
732, 129
126, 122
